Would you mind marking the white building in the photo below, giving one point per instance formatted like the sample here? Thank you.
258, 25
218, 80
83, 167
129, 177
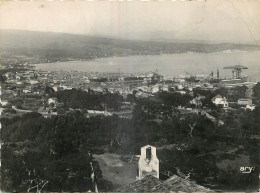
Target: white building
148, 163
179, 86
196, 101
95, 113
165, 88
17, 77
182, 92
219, 100
155, 88
55, 88
19, 82
52, 100
251, 107
26, 91
33, 81
243, 101
3, 102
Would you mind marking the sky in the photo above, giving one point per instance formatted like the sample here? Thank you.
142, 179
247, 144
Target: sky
210, 20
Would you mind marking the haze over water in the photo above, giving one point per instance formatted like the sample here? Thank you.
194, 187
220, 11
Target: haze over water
168, 65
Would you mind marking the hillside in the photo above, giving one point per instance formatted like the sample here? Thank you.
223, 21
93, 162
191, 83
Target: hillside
34, 47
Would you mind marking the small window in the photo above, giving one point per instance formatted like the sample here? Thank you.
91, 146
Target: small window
148, 153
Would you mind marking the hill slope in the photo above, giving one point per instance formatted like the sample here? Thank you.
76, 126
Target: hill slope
34, 47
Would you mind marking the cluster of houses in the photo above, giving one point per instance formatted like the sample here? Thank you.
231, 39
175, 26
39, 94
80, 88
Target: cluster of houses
218, 100
176, 87
30, 85
245, 103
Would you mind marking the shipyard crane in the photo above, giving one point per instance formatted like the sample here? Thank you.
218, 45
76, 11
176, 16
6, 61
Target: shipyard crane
237, 71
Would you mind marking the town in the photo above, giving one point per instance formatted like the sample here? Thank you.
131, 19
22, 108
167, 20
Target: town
29, 90
122, 113
113, 96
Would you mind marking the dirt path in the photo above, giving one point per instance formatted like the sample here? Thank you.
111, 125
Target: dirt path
115, 170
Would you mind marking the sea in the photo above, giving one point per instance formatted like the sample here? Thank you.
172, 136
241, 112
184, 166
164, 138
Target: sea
168, 65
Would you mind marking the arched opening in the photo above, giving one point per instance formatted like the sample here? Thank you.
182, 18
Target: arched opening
148, 153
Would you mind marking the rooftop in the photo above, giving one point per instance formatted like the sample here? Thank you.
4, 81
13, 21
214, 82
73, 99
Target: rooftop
152, 184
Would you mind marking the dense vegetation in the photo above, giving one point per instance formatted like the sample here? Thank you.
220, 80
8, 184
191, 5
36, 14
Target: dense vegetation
54, 153
78, 99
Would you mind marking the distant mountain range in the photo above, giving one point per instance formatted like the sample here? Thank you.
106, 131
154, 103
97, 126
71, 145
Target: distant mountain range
48, 46
174, 36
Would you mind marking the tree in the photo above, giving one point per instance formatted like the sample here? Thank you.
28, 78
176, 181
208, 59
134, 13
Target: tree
49, 90
2, 78
48, 154
256, 90
192, 121
236, 93
222, 91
